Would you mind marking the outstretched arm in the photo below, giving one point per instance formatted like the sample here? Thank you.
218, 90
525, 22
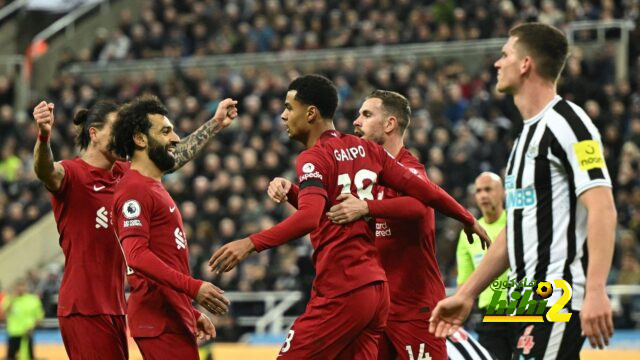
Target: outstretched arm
190, 146
302, 222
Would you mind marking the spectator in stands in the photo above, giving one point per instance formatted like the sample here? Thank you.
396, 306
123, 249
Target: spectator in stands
23, 313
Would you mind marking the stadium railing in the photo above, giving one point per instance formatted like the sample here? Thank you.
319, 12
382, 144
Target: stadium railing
602, 30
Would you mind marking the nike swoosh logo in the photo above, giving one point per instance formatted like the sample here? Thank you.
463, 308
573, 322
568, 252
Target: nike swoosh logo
172, 209
98, 188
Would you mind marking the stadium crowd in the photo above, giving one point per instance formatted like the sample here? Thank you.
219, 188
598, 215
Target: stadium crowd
170, 29
460, 124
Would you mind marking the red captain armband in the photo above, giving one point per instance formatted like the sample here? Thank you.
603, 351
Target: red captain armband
44, 138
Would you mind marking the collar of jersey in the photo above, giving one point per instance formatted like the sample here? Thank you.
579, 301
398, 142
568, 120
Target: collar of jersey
539, 115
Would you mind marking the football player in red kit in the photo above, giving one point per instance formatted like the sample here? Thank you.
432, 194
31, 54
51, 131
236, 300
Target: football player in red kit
406, 243
162, 319
91, 304
349, 304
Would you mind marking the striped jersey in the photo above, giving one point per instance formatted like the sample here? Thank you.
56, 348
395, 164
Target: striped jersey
462, 346
557, 157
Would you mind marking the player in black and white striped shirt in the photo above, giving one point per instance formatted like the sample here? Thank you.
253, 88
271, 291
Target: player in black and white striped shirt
559, 205
462, 346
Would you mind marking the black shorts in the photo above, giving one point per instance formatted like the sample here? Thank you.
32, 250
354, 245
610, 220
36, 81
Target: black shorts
549, 340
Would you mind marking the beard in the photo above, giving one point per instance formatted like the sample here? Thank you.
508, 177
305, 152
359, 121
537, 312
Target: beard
160, 155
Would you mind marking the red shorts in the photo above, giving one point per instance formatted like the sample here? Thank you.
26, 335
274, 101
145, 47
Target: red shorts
345, 327
410, 340
169, 346
95, 336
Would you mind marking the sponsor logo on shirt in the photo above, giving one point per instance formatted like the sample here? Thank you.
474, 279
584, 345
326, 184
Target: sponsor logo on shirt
181, 243
101, 218
309, 173
98, 188
382, 229
312, 175
519, 198
589, 155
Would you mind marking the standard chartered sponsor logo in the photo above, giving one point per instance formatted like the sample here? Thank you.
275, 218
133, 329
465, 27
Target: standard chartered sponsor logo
382, 229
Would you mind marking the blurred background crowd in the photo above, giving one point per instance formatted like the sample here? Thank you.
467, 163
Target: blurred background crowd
460, 124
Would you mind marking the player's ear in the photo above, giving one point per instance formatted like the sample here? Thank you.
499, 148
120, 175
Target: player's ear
93, 132
526, 66
312, 114
390, 124
140, 140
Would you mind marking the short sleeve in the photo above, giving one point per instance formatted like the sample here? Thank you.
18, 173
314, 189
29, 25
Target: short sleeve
313, 173
70, 176
580, 149
132, 214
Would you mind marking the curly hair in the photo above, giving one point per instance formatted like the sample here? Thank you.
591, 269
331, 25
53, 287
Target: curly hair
318, 91
94, 117
133, 118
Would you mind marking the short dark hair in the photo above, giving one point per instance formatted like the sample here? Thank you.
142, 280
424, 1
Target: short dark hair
394, 104
318, 91
547, 45
95, 116
133, 118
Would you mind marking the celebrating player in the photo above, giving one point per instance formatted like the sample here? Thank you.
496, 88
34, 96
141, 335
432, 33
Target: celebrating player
349, 304
162, 320
91, 304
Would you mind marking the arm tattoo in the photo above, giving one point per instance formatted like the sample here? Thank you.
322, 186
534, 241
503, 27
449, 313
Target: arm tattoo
190, 146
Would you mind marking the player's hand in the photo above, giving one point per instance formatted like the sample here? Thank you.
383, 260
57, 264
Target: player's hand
477, 229
43, 114
349, 209
449, 315
278, 189
206, 330
596, 318
211, 298
229, 255
226, 112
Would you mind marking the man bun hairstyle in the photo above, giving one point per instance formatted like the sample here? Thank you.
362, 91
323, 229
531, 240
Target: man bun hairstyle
546, 44
133, 118
318, 91
94, 117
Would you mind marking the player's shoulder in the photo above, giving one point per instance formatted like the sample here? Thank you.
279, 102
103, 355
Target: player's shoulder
567, 117
131, 183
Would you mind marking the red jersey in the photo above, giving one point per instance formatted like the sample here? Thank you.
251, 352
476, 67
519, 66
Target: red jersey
144, 211
345, 256
408, 253
93, 279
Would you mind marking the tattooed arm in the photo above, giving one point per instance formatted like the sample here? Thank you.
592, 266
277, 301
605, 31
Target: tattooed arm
190, 146
49, 172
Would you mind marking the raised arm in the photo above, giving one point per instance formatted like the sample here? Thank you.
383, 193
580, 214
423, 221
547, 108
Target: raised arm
49, 172
190, 146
